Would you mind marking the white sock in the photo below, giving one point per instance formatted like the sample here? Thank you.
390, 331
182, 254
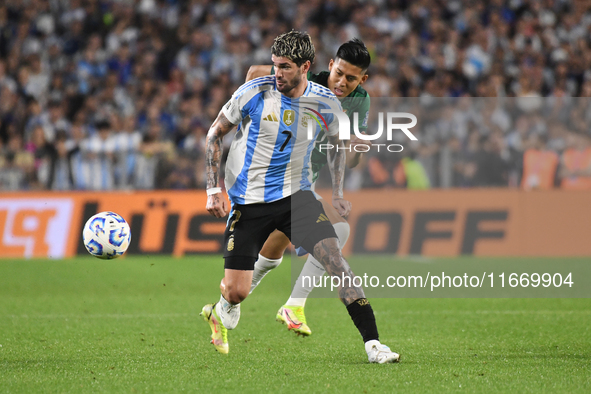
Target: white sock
228, 313
262, 266
370, 344
314, 270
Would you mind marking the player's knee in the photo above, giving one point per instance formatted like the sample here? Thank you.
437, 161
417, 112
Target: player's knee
235, 293
343, 230
328, 247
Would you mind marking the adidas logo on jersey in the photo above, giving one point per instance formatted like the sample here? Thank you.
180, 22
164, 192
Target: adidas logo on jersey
271, 117
322, 218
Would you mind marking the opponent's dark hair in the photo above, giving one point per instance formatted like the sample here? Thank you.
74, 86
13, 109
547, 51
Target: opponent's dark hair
356, 53
294, 45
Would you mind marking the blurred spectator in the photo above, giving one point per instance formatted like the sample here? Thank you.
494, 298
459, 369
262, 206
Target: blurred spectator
61, 175
54, 120
467, 166
492, 162
155, 154
182, 175
451, 165
539, 165
5, 80
16, 166
380, 171
576, 163
127, 143
97, 167
90, 71
38, 79
411, 174
517, 137
42, 152
193, 147
121, 64
12, 177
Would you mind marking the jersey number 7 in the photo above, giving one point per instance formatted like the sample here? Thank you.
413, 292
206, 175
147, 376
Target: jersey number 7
289, 135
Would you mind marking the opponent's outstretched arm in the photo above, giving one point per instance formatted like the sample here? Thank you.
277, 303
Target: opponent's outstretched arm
258, 71
354, 157
216, 203
336, 165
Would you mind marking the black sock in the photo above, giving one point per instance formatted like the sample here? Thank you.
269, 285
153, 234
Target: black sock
362, 315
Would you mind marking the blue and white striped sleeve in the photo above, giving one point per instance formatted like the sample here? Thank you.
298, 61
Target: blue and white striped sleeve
238, 107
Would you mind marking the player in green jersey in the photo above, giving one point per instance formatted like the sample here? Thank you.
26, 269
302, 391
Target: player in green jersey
346, 74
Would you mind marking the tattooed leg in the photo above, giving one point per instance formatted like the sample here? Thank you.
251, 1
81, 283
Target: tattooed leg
361, 312
328, 254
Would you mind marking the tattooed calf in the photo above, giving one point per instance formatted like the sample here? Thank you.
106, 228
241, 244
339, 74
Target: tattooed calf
328, 254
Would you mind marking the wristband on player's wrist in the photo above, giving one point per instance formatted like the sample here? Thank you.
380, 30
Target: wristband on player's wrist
214, 190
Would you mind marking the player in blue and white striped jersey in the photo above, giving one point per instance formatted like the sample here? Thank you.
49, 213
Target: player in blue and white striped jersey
269, 157
268, 179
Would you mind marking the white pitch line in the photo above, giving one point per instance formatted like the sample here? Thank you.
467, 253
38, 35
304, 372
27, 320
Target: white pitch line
101, 316
175, 315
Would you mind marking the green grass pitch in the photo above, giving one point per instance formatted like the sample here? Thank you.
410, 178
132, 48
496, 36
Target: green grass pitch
133, 325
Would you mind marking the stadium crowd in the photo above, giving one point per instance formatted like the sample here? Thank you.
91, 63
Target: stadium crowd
118, 94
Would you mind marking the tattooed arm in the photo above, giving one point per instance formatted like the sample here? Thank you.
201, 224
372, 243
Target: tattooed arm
216, 203
336, 164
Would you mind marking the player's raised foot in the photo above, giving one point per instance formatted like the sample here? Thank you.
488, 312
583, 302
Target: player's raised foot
294, 318
381, 354
219, 334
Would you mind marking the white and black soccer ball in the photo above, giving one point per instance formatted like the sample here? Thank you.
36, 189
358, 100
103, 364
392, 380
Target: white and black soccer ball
106, 235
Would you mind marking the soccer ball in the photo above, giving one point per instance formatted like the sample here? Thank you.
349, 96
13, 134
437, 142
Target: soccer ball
106, 235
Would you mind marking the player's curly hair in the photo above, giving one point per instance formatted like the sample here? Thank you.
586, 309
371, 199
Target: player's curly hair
295, 45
